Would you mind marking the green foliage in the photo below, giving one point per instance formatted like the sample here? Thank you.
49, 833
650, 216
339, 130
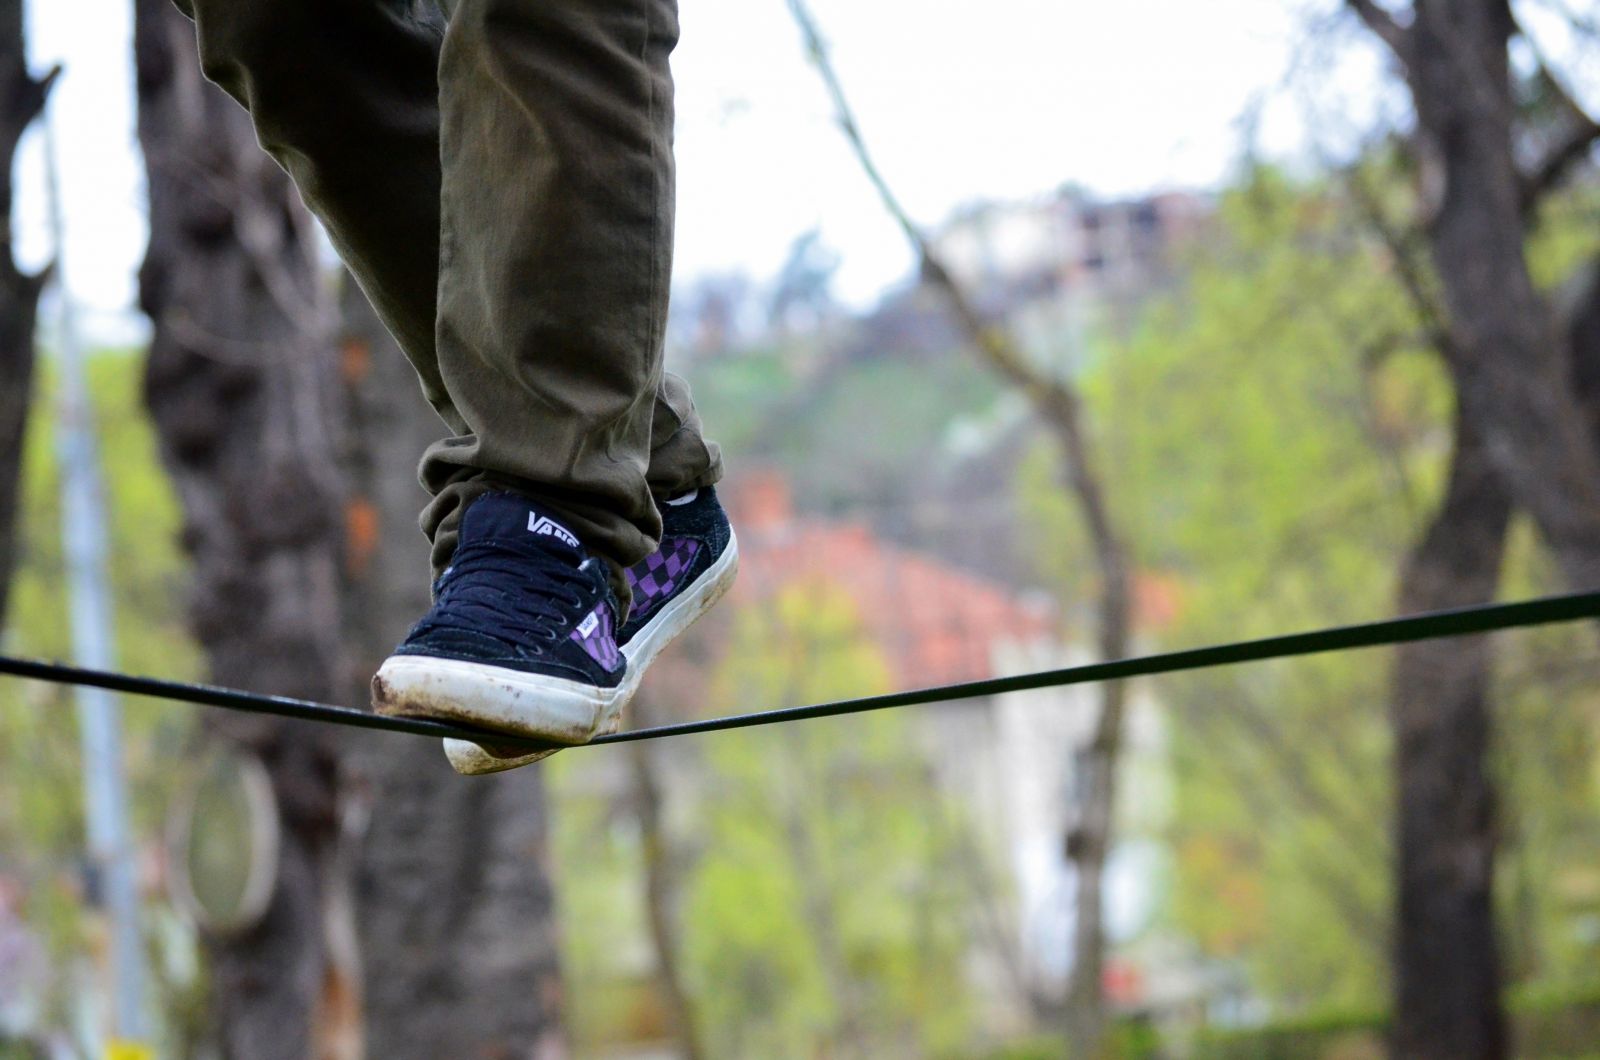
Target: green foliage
1276, 436
1338, 1034
880, 414
605, 962
1567, 237
1546, 1021
823, 910
1127, 1039
825, 913
1040, 1048
1271, 435
41, 778
1556, 1021
739, 396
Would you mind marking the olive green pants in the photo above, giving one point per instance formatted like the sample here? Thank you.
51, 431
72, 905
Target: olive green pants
500, 182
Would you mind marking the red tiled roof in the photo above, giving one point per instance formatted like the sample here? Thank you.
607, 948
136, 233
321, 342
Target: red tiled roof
935, 624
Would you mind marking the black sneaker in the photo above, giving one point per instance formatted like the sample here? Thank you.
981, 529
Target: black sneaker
521, 636
672, 587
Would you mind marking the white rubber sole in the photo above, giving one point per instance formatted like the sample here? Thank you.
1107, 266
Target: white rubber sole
534, 705
471, 759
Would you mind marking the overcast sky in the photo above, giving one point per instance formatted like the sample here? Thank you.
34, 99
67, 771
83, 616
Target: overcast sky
961, 100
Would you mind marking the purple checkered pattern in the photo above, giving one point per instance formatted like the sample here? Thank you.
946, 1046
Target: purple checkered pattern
656, 576
601, 643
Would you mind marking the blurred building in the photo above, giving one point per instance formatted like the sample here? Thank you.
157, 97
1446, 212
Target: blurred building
1067, 270
1070, 242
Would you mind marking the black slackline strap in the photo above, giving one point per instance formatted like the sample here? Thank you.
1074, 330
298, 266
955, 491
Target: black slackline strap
1452, 623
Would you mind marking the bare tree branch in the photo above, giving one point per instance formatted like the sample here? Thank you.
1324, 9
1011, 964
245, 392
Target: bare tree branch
1329, 875
1059, 407
1565, 152
661, 885
1383, 24
1402, 245
1561, 157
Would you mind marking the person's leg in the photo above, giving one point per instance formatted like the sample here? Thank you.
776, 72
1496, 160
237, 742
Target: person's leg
345, 95
556, 258
680, 457
555, 265
544, 356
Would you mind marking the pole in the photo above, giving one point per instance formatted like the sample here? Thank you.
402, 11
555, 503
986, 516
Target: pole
83, 530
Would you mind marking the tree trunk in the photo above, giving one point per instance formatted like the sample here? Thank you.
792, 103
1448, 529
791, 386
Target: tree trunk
22, 99
1511, 372
1447, 966
240, 368
1524, 437
1582, 334
1089, 841
457, 923
1059, 407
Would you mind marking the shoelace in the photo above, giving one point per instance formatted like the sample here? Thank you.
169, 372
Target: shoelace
494, 589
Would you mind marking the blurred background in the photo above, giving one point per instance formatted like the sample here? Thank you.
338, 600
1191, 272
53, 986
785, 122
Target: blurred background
1155, 325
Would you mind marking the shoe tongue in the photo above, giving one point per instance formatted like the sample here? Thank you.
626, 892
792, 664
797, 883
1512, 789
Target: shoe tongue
518, 521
